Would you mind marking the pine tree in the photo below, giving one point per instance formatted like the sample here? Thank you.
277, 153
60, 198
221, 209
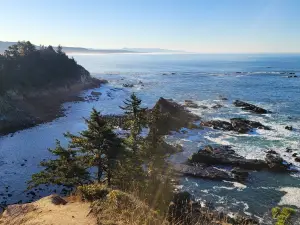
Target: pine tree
59, 50
99, 145
64, 170
152, 146
136, 120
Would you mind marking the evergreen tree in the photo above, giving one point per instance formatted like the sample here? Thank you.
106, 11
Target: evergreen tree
64, 170
99, 145
59, 50
136, 120
153, 151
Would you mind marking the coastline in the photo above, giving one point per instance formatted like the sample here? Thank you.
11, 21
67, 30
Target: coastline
41, 106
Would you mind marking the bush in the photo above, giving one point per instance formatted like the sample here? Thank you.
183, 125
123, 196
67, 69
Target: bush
93, 192
283, 215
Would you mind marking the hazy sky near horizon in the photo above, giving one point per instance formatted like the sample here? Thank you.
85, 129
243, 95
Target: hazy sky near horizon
208, 26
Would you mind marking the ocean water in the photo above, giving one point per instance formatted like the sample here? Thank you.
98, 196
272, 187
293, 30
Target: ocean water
259, 79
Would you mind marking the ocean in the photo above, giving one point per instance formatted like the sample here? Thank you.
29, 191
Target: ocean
261, 79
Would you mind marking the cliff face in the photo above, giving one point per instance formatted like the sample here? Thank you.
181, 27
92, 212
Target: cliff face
24, 109
51, 210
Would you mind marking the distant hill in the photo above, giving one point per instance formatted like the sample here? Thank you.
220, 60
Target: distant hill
4, 45
150, 50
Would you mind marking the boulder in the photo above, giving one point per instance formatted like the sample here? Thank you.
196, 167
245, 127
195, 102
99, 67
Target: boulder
297, 159
250, 107
57, 200
289, 128
295, 154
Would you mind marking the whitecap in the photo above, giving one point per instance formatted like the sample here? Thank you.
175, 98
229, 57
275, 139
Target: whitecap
292, 196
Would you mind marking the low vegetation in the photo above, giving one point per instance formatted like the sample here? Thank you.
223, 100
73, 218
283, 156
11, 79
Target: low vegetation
283, 215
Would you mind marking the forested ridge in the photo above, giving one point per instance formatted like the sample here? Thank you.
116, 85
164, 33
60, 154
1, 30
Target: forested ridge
24, 66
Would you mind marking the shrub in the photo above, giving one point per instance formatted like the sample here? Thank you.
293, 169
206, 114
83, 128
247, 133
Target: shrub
93, 192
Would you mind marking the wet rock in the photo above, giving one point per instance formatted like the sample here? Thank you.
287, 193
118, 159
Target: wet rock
203, 171
239, 125
272, 152
249, 107
276, 163
217, 106
218, 124
297, 159
223, 98
190, 104
289, 150
128, 85
289, 128
225, 155
243, 124
240, 174
96, 93
295, 154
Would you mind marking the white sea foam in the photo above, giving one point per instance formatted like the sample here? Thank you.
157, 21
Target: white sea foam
237, 185
292, 196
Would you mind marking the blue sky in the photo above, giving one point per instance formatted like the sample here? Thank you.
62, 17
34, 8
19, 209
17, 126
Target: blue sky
207, 26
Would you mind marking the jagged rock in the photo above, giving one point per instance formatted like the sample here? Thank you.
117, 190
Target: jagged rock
202, 171
225, 155
218, 124
250, 107
289, 128
275, 162
239, 125
190, 104
240, 174
175, 116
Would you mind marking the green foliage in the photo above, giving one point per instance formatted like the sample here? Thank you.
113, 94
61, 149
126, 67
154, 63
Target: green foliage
24, 67
99, 145
282, 215
92, 192
64, 170
136, 120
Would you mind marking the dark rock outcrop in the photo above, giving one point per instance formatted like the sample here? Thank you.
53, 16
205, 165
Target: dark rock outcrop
225, 155
239, 125
175, 116
250, 107
218, 124
203, 171
190, 104
276, 163
289, 128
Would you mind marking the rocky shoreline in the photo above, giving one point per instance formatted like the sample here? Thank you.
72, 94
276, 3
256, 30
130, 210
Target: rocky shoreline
24, 110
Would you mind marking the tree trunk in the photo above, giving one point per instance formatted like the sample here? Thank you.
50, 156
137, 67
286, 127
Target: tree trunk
99, 174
